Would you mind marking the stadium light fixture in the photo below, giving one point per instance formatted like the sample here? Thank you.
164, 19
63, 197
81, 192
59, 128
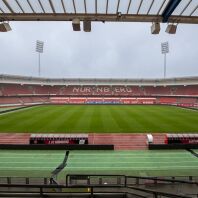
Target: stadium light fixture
87, 26
155, 28
39, 49
5, 27
76, 24
165, 50
119, 14
171, 29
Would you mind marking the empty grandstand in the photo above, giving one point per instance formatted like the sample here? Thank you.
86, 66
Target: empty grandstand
98, 137
18, 90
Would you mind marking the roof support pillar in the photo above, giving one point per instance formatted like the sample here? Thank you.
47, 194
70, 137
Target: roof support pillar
172, 5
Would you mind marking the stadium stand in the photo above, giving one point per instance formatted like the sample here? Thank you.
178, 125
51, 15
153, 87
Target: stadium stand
18, 90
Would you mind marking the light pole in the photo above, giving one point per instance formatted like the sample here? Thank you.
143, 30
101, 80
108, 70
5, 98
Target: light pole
39, 49
165, 50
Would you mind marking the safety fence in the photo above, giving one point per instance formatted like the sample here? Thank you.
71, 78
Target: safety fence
102, 186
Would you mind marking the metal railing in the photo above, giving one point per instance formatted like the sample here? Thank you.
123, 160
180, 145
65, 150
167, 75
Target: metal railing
90, 185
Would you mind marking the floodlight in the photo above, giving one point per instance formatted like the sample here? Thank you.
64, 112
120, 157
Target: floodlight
87, 26
119, 14
5, 27
155, 28
171, 29
76, 24
39, 46
164, 48
39, 49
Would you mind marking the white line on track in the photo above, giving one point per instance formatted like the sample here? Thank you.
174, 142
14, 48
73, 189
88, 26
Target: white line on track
13, 163
95, 154
36, 154
120, 157
136, 162
24, 168
117, 168
16, 110
95, 158
135, 168
31, 157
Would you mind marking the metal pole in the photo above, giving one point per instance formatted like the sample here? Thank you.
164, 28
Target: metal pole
39, 66
165, 65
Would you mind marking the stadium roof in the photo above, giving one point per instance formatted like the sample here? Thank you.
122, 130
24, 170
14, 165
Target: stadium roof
174, 11
15, 79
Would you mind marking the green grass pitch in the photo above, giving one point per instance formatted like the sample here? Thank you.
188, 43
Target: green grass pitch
100, 118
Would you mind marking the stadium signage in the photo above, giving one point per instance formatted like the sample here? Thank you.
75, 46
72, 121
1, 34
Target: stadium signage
102, 89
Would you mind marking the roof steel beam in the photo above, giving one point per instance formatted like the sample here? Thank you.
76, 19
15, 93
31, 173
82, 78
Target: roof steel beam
74, 5
185, 7
31, 6
85, 6
52, 6
107, 5
139, 6
8, 6
1, 10
96, 6
94, 17
41, 6
118, 4
71, 16
150, 7
129, 5
172, 5
19, 6
63, 5
194, 10
161, 7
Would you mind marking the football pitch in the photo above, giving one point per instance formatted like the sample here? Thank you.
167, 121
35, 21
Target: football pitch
29, 163
100, 118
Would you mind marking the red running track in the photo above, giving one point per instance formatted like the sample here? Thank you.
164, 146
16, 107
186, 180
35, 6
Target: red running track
14, 138
121, 141
125, 141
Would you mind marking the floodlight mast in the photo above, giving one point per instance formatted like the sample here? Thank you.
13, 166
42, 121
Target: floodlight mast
39, 49
165, 50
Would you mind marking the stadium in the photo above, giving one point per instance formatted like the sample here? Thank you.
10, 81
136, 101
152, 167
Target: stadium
162, 104
98, 137
102, 112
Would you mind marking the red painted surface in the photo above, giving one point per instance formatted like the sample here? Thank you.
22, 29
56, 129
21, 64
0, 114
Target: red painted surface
125, 141
14, 138
121, 141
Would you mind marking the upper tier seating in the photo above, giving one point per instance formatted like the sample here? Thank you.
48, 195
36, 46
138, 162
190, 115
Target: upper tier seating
77, 90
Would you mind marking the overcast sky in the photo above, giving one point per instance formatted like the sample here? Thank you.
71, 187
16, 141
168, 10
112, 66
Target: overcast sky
111, 50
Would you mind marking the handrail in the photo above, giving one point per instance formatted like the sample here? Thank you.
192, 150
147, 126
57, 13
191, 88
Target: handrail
41, 187
165, 180
120, 184
158, 192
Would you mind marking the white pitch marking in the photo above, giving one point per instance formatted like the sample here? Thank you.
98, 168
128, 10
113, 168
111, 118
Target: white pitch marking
188, 109
16, 110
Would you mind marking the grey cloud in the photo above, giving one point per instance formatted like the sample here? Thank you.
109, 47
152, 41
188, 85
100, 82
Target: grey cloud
122, 50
